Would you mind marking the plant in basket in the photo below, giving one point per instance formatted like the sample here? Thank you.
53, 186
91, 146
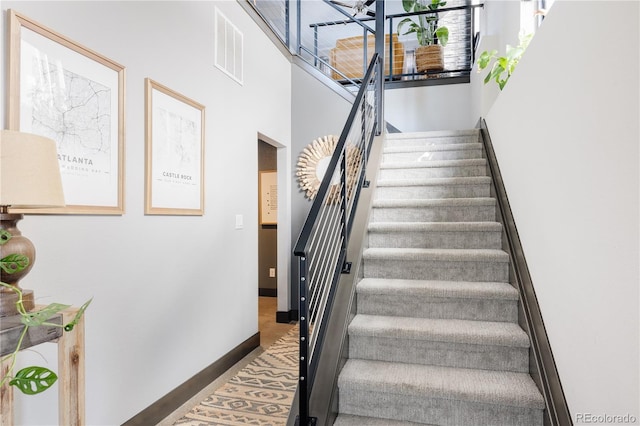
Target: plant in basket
432, 38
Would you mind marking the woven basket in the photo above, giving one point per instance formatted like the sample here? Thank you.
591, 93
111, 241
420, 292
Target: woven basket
429, 58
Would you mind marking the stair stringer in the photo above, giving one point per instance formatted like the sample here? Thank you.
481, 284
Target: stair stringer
323, 402
542, 367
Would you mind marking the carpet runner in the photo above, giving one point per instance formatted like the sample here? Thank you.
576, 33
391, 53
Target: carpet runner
260, 394
435, 339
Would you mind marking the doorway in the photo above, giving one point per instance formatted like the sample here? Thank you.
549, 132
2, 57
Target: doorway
268, 224
269, 236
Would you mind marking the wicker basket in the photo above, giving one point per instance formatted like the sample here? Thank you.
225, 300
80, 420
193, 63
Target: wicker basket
429, 58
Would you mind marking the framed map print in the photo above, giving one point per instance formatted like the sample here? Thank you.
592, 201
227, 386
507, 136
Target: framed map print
75, 96
174, 139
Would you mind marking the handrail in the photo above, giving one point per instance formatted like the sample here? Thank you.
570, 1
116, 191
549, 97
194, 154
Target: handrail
397, 15
321, 246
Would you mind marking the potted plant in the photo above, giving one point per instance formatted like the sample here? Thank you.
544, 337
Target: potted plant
29, 380
503, 64
431, 37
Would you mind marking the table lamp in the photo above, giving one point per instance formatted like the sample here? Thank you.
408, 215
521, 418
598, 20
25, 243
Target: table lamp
29, 179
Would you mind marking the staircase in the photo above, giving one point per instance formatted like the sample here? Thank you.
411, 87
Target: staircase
435, 339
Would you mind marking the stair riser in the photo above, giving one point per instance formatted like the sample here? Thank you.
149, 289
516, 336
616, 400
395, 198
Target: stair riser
434, 214
444, 140
446, 354
435, 239
436, 270
422, 409
462, 154
432, 191
432, 172
348, 420
399, 305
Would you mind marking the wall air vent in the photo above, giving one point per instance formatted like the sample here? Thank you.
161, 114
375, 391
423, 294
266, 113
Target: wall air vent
228, 47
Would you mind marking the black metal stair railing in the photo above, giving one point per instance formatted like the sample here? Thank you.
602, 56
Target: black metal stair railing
322, 244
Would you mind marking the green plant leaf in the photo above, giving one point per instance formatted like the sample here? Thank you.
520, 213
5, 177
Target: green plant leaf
79, 314
485, 57
405, 21
408, 5
503, 62
39, 317
487, 79
5, 236
495, 72
436, 4
14, 263
443, 35
33, 380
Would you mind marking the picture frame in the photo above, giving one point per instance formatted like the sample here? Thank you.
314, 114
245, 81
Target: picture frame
62, 90
268, 197
174, 147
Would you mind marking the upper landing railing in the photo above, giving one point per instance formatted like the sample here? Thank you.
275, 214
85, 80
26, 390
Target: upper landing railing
330, 38
340, 60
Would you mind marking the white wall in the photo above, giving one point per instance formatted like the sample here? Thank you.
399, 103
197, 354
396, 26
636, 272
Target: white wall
316, 111
565, 131
429, 108
171, 294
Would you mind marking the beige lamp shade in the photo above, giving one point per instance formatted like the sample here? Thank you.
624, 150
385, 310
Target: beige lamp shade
29, 171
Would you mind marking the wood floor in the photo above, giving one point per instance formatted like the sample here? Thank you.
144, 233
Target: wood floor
270, 330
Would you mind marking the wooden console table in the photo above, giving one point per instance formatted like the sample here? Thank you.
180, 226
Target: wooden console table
71, 403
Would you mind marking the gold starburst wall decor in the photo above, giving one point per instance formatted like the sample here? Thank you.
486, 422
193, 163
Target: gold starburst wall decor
314, 161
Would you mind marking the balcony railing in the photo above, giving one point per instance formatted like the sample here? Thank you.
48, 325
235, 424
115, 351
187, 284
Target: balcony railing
329, 38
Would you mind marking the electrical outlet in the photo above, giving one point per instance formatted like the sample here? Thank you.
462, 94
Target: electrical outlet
272, 272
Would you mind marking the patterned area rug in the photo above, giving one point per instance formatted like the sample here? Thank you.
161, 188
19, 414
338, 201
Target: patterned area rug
260, 394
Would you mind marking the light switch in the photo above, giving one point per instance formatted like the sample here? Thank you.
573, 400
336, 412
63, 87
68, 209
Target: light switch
239, 221
272, 272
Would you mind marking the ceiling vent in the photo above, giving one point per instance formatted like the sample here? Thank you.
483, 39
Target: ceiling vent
229, 47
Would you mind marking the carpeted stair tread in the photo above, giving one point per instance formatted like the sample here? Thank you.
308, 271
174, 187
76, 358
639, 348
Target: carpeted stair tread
435, 202
440, 330
431, 134
437, 289
450, 235
434, 226
351, 420
432, 148
456, 255
454, 209
433, 164
497, 388
455, 299
471, 180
